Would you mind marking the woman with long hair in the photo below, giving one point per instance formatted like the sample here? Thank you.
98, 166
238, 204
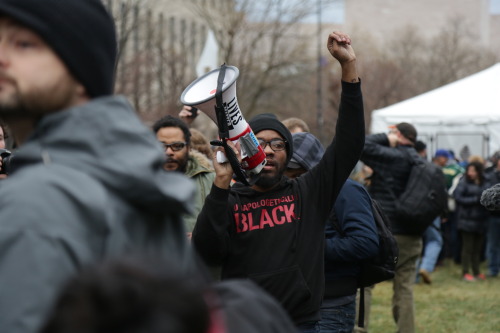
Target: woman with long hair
472, 219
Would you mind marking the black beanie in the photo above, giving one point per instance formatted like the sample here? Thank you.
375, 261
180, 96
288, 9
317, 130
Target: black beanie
268, 121
81, 32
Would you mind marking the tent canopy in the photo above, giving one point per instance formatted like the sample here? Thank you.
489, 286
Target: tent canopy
463, 113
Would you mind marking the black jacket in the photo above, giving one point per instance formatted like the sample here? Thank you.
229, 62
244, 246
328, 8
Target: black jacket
276, 238
471, 215
391, 169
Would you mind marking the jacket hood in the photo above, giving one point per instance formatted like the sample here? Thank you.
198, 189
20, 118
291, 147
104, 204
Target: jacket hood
105, 139
198, 163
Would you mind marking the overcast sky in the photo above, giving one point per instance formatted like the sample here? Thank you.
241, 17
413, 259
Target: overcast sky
333, 12
495, 6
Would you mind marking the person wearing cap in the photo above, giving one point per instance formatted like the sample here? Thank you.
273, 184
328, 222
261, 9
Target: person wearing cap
273, 231
87, 182
390, 155
352, 215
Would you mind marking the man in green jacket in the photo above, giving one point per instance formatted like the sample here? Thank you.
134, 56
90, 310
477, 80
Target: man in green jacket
175, 136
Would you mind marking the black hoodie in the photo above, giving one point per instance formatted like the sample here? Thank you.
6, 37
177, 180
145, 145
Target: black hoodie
276, 238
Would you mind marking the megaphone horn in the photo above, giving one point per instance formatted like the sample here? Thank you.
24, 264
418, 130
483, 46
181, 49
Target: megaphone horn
201, 94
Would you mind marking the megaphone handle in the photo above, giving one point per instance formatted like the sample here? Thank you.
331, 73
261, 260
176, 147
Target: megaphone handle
221, 157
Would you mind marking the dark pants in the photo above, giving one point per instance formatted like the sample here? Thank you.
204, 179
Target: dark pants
338, 319
309, 327
451, 237
472, 245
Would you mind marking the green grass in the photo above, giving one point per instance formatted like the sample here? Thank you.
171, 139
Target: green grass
448, 305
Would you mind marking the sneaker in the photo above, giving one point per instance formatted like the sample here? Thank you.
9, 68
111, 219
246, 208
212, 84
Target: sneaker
426, 276
469, 278
480, 277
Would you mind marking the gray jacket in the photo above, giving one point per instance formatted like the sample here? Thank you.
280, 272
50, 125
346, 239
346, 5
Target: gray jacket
88, 185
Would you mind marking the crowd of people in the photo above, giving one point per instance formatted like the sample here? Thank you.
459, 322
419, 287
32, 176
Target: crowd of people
107, 225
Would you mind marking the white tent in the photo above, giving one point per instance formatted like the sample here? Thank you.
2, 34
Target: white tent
463, 113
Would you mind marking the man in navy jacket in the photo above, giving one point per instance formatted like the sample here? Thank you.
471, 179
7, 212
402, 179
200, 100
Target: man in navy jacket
350, 237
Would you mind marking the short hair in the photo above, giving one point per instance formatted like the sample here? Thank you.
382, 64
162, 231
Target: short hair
495, 158
476, 158
171, 121
131, 296
420, 146
293, 122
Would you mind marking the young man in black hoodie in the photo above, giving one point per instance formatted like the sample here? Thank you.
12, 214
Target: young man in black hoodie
273, 231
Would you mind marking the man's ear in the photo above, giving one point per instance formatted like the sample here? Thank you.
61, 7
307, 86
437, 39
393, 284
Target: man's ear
81, 91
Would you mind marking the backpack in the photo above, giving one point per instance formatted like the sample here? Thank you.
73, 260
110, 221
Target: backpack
424, 198
383, 265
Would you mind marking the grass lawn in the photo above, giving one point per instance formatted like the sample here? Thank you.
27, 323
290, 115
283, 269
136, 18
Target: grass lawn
448, 305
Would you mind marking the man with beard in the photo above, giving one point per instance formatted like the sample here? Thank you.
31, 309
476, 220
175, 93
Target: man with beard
175, 137
87, 182
273, 231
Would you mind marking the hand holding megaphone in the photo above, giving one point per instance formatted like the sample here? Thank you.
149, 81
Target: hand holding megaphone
224, 170
201, 94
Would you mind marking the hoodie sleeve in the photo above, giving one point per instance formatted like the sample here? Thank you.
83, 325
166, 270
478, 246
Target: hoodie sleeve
211, 233
322, 184
359, 238
377, 152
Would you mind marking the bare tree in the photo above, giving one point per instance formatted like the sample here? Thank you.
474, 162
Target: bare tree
272, 49
409, 65
156, 56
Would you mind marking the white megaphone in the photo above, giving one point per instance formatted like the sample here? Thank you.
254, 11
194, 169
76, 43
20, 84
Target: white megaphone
201, 94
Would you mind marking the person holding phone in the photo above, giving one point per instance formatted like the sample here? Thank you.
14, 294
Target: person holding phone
188, 114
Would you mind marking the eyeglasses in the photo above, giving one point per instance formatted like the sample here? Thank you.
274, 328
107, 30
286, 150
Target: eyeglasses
275, 144
175, 146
